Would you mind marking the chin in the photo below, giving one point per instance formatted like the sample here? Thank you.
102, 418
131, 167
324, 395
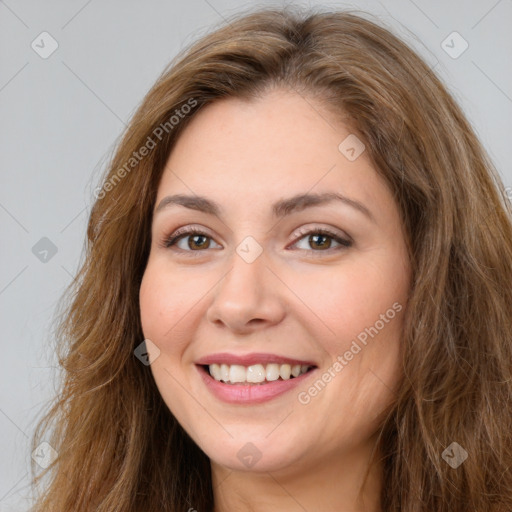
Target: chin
257, 454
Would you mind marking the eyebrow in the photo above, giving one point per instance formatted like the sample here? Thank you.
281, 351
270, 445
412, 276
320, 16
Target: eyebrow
281, 208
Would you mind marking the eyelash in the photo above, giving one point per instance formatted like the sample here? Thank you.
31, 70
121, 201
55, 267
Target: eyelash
171, 240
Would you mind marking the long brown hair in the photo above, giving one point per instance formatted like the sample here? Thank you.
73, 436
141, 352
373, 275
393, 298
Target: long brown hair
119, 447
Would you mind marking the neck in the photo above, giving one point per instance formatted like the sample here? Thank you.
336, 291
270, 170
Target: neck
337, 485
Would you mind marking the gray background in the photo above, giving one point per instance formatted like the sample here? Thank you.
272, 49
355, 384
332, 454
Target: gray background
60, 118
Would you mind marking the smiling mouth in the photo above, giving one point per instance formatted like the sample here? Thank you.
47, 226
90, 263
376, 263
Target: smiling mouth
256, 374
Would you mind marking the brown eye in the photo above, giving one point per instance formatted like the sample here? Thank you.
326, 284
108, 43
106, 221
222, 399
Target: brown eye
323, 241
197, 240
320, 240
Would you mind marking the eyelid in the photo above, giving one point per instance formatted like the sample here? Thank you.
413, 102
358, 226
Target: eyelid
182, 232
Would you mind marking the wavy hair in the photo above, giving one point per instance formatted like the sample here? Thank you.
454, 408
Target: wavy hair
120, 448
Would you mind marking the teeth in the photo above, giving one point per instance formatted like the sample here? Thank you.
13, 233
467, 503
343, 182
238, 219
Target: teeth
224, 372
257, 373
237, 373
272, 372
285, 370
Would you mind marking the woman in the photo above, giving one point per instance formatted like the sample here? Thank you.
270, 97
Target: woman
296, 293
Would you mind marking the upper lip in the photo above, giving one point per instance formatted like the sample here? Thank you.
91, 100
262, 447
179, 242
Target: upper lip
250, 359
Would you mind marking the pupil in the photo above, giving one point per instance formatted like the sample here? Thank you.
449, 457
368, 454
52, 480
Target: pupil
198, 236
315, 237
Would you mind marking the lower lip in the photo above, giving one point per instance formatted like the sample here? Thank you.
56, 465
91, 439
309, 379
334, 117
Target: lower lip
250, 393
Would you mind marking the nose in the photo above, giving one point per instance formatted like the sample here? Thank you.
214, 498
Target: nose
247, 298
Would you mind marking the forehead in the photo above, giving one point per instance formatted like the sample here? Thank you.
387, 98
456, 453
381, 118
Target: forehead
278, 145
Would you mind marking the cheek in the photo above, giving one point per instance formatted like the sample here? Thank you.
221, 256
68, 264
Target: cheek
165, 298
151, 300
344, 301
171, 308
162, 316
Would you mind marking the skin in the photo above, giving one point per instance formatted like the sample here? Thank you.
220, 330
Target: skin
297, 299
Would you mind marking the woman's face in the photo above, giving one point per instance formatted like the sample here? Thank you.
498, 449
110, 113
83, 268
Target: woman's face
265, 292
